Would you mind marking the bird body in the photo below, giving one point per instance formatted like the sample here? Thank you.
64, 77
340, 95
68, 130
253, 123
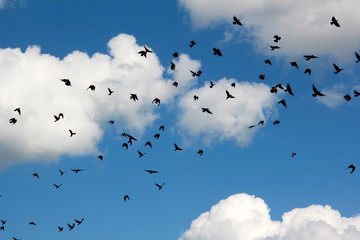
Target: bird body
334, 22
177, 147
133, 96
217, 52
91, 87
236, 21
206, 110
316, 92
337, 69
228, 95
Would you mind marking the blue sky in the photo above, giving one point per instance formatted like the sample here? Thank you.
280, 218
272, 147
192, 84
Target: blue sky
228, 192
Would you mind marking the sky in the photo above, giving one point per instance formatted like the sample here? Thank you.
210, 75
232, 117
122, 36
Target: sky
246, 185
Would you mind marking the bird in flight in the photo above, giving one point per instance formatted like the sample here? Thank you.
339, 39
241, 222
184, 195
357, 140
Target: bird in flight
111, 122
347, 97
252, 126
3, 222
236, 21
177, 147
126, 197
60, 228
110, 91
228, 95
61, 172
217, 52
125, 145
212, 84
141, 154
157, 135
334, 22
143, 53
274, 88
79, 221
71, 227
289, 90
357, 57
72, 133
148, 143
159, 186
66, 81
12, 121
57, 118
175, 84
293, 154
133, 96
101, 157
18, 110
206, 110
172, 67
196, 97
272, 48
356, 93
308, 57
267, 61
316, 92
32, 224
233, 84
282, 102
151, 171
156, 101
91, 87
36, 175
352, 167
57, 186
308, 71
262, 76
337, 69
276, 122
77, 170
175, 55
194, 74
192, 43
200, 152
294, 64
277, 38
161, 128
261, 122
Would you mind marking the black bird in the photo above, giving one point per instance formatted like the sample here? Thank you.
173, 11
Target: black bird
14, 238
233, 84
32, 224
337, 68
274, 88
60, 228
91, 87
36, 175
172, 67
289, 90
200, 152
3, 222
294, 64
77, 170
12, 121
175, 84
267, 61
125, 145
194, 74
252, 126
274, 47
308, 57
141, 154
217, 52
57, 118
57, 186
356, 93
162, 128
110, 91
66, 81
18, 110
236, 21
196, 97
61, 172
111, 122
126, 197
175, 54
148, 143
228, 95
282, 102
352, 167
72, 133
159, 186
157, 135
357, 57
206, 110
101, 157
261, 122
79, 221
147, 50
192, 43
316, 92
142, 53
133, 96
2, 228
130, 142
335, 22
276, 122
308, 71
262, 76
293, 154
177, 147
212, 84
151, 171
71, 226
347, 97
156, 101
277, 38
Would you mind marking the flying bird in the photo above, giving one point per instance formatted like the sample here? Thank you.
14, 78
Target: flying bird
77, 170
101, 157
276, 122
12, 121
72, 133
261, 122
91, 87
162, 128
352, 167
212, 84
233, 84
236, 21
308, 71
192, 43
267, 61
156, 101
57, 186
277, 38
18, 110
61, 172
36, 175
356, 93
294, 64
66, 81
126, 197
133, 96
206, 110
347, 97
194, 74
57, 118
3, 222
125, 145
175, 55
272, 48
32, 224
175, 84
217, 52
228, 95
308, 57
110, 91
293, 154
177, 147
357, 57
252, 126
282, 102
196, 97
262, 76
274, 88
60, 228
141, 154
337, 69
111, 122
335, 22
79, 221
71, 227
200, 152
148, 143
157, 135
316, 92
172, 67
289, 90
159, 186
151, 171
2, 228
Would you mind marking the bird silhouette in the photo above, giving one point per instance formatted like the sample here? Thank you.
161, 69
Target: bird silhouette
294, 64
12, 121
126, 197
36, 175
101, 157
157, 135
261, 122
141, 154
334, 22
60, 228
151, 171
347, 97
282, 102
61, 172
217, 52
91, 87
277, 38
233, 84
159, 186
147, 50
356, 93
175, 55
2, 228
79, 221
228, 95
133, 96
308, 57
293, 154
32, 224
72, 133
352, 167
3, 222
172, 67
71, 227
200, 152
66, 81
177, 147
196, 97
110, 91
212, 84
267, 61
196, 74
252, 126
175, 84
236, 21
77, 170
274, 88
148, 143
276, 122
192, 43
308, 71
57, 186
156, 101
18, 110
111, 122
206, 110
14, 238
125, 145
316, 92
262, 76
289, 90
57, 118
142, 53
357, 57
272, 48
337, 69
162, 128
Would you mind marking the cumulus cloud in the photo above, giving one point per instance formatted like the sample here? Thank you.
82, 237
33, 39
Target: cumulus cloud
231, 117
304, 25
246, 217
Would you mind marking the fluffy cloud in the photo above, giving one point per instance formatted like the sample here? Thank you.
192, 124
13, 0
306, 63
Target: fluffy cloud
231, 117
304, 25
246, 217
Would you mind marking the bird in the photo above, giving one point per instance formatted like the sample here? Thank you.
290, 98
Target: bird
159, 186
156, 101
177, 147
282, 102
357, 57
228, 95
194, 74
337, 69
91, 87
267, 61
274, 88
32, 224
18, 110
126, 197
57, 118
334, 22
308, 57
308, 71
192, 43
277, 38
14, 238
347, 97
316, 92
262, 76
57, 186
196, 97
2, 228
72, 133
200, 152
289, 90
142, 53
272, 48
79, 221
61, 172
217, 52
12, 121
71, 226
293, 154
111, 122
276, 122
3, 222
294, 64
133, 96
36, 175
110, 91
125, 145
141, 154
233, 84
236, 21
60, 228
172, 67
148, 143
252, 126
147, 50
352, 167
175, 84
206, 110
162, 128
101, 157
151, 171
157, 135
261, 122
356, 93
77, 170
175, 55
212, 84
66, 81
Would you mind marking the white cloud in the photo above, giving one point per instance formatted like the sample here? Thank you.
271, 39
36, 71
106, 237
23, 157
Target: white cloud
245, 217
231, 117
303, 25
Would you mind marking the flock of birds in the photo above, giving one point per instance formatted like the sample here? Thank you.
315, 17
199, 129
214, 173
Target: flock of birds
228, 95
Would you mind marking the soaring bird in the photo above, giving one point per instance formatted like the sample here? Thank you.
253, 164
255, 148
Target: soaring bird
175, 84
276, 122
3, 222
2, 228
357, 57
32, 224
228, 95
335, 22
77, 170
356, 93
337, 69
79, 221
308, 57
282, 102
212, 84
217, 52
347, 97
200, 152
57, 118
101, 157
110, 91
262, 76
159, 186
316, 92
60, 228
133, 96
91, 87
151, 171
277, 38
126, 197
261, 122
177, 147
142, 53
156, 101
274, 88
293, 154
206, 110
72, 133
294, 64
196, 97
141, 154
148, 143
125, 145
71, 227
175, 55
162, 128
289, 90
267, 61
111, 122
36, 175
192, 43
233, 84
308, 71
157, 135
12, 121
66, 81
18, 110
272, 48
57, 186
196, 74
252, 126
147, 50
352, 167
172, 67
61, 172
236, 21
